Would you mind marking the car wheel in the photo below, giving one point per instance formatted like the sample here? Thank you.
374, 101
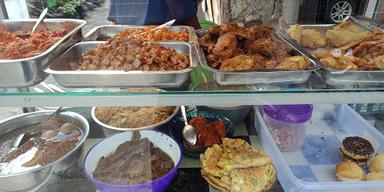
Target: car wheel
339, 11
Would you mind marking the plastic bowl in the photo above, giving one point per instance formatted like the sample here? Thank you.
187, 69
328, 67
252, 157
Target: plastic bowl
107, 146
236, 114
110, 130
177, 124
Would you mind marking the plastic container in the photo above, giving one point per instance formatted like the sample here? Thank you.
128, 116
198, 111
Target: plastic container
288, 124
312, 167
109, 145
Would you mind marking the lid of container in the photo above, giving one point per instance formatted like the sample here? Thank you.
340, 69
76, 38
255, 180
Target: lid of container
289, 113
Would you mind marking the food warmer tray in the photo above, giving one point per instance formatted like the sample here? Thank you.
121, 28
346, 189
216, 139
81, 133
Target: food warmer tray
341, 77
258, 77
112, 30
30, 71
67, 77
312, 167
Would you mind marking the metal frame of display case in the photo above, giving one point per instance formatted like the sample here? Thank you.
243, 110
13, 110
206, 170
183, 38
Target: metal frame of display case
186, 98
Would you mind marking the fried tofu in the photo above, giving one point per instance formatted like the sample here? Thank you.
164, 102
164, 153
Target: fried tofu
345, 33
307, 37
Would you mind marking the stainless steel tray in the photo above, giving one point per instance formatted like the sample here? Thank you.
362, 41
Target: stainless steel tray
116, 78
30, 71
112, 30
341, 77
258, 77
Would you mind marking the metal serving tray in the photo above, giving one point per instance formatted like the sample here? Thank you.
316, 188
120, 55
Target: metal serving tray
258, 77
30, 71
337, 77
112, 30
117, 78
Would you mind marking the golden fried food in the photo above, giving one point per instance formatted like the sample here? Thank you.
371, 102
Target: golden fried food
253, 179
294, 62
307, 37
230, 47
236, 29
261, 31
237, 166
349, 46
226, 45
369, 47
339, 63
262, 46
238, 63
210, 159
345, 33
163, 34
239, 154
322, 53
379, 61
216, 182
296, 32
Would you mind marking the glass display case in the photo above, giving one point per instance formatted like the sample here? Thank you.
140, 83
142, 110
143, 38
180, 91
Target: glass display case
281, 96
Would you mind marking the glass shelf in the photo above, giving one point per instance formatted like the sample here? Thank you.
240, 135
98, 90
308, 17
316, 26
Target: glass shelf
198, 91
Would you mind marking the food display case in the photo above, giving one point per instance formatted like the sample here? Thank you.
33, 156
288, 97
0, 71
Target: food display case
106, 110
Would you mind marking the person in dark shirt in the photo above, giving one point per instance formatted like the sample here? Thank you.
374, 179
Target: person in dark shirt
154, 12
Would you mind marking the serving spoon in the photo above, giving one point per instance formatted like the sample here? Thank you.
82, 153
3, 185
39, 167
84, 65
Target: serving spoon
24, 137
189, 132
41, 18
166, 24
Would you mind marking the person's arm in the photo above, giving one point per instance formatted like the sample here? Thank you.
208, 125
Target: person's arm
181, 10
198, 2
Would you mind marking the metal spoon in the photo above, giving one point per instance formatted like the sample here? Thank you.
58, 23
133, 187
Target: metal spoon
189, 132
41, 18
166, 24
24, 137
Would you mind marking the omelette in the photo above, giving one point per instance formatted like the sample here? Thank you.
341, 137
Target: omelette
235, 166
239, 154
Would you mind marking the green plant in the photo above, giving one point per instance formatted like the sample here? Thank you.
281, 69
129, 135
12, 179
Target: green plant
66, 7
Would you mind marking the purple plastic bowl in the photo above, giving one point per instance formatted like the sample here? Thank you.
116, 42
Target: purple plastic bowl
289, 113
104, 146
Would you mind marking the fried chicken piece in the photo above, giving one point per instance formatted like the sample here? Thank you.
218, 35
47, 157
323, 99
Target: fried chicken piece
281, 52
226, 45
261, 31
262, 46
236, 29
271, 64
215, 31
238, 63
259, 62
207, 43
294, 63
